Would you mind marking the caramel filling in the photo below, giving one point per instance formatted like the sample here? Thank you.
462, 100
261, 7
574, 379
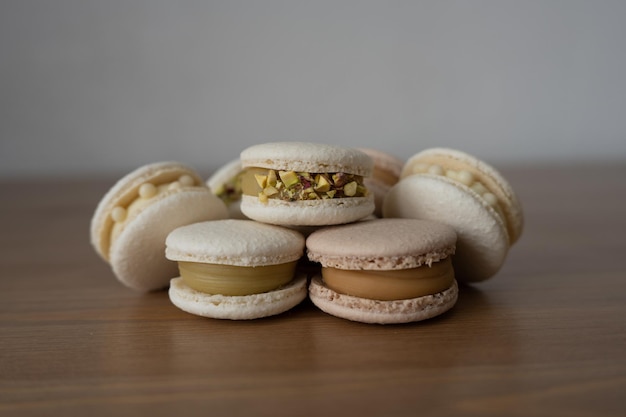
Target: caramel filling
298, 186
393, 284
235, 280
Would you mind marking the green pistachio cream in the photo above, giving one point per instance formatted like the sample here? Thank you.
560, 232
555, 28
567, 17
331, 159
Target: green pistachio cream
298, 186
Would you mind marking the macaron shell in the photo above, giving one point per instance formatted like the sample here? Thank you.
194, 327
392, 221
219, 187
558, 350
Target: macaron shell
379, 190
308, 212
125, 190
234, 242
381, 244
482, 239
307, 157
381, 312
246, 307
224, 174
492, 178
137, 256
384, 161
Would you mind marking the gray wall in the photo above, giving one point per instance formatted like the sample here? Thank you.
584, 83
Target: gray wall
97, 87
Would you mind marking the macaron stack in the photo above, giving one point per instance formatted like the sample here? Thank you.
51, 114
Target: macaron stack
366, 236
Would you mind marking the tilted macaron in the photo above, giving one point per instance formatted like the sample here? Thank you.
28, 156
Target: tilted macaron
455, 188
225, 183
387, 170
131, 222
236, 269
384, 271
305, 184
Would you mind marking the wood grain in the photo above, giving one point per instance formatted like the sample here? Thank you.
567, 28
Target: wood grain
546, 336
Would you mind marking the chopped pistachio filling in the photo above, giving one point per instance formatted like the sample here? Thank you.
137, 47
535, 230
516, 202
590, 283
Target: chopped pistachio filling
230, 191
298, 186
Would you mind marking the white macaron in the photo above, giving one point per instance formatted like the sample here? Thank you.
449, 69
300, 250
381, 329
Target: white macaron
130, 224
225, 183
236, 269
458, 189
305, 184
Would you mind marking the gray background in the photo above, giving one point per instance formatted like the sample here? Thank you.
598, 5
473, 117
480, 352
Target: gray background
102, 87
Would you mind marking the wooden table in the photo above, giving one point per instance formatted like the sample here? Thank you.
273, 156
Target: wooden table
546, 336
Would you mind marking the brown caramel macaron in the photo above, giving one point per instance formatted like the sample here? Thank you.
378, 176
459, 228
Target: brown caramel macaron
236, 269
471, 196
305, 184
384, 271
131, 222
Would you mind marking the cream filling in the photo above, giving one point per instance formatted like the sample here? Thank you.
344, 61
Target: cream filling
235, 280
470, 178
146, 193
391, 284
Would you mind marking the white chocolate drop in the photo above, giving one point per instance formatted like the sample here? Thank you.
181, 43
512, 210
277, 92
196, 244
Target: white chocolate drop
435, 169
174, 186
186, 180
465, 177
118, 214
490, 199
479, 188
453, 175
147, 190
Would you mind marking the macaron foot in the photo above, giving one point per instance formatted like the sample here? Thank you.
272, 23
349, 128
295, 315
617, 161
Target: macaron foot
381, 312
246, 307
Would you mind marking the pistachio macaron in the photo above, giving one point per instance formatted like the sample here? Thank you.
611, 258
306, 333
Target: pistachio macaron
305, 184
236, 269
225, 183
466, 193
132, 220
386, 173
384, 270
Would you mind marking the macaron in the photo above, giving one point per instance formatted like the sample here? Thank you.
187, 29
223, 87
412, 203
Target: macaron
460, 190
305, 184
225, 183
387, 170
384, 270
236, 269
130, 223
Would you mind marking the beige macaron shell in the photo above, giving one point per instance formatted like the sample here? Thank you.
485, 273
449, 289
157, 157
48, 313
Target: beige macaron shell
385, 162
491, 177
307, 157
245, 307
482, 243
220, 177
124, 191
234, 242
381, 244
137, 256
308, 212
381, 312
224, 174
